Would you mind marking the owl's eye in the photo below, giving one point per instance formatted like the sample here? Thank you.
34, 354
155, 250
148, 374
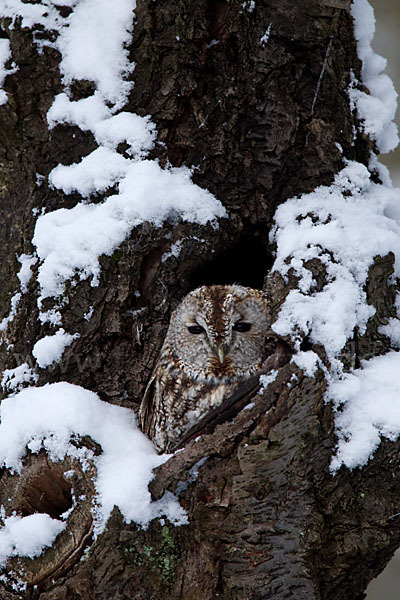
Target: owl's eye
196, 329
241, 326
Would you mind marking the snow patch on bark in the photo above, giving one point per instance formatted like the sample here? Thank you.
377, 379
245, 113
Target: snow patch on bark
377, 108
145, 191
308, 361
27, 261
345, 226
50, 348
27, 536
5, 57
14, 379
15, 300
48, 418
367, 407
93, 40
70, 241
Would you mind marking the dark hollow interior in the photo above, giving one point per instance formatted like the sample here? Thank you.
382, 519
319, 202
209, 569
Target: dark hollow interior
246, 263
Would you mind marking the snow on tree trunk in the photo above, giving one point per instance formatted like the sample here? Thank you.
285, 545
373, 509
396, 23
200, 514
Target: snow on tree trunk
145, 150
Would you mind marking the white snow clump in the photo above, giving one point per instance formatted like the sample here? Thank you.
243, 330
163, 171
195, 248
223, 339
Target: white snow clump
47, 417
345, 225
377, 109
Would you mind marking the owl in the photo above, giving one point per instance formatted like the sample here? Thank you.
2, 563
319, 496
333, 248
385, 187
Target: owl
215, 340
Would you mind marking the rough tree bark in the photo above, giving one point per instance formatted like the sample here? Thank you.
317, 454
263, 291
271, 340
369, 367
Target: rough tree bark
259, 122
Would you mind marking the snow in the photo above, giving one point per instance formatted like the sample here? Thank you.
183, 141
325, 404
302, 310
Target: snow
174, 251
84, 113
50, 348
249, 5
368, 407
93, 41
44, 14
14, 379
212, 43
27, 536
87, 316
104, 167
250, 405
377, 109
24, 275
94, 47
52, 316
392, 330
367, 399
265, 37
5, 56
47, 417
15, 300
322, 225
307, 361
138, 132
193, 475
95, 173
345, 226
70, 241
266, 379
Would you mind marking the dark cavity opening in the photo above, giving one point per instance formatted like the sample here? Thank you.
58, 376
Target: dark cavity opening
43, 489
246, 263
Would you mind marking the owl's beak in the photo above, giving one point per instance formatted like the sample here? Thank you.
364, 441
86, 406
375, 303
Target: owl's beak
221, 354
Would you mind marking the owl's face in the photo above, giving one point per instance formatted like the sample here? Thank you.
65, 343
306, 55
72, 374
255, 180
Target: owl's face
219, 331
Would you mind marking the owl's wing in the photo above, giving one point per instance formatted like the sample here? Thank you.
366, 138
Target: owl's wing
146, 411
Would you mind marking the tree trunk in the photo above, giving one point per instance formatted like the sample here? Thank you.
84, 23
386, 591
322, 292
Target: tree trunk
258, 117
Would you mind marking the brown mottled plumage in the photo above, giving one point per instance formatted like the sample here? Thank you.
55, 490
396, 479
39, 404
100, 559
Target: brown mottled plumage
216, 339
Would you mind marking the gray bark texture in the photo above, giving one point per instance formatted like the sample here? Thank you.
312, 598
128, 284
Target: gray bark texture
259, 122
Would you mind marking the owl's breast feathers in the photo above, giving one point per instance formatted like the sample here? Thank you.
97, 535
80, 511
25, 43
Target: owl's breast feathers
220, 370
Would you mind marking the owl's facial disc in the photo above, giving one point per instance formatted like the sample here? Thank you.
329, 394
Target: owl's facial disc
219, 347
215, 347
220, 331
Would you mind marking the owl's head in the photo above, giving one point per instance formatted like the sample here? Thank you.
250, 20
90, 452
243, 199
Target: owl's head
219, 331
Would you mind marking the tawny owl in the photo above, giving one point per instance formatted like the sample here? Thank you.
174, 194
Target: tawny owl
216, 339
